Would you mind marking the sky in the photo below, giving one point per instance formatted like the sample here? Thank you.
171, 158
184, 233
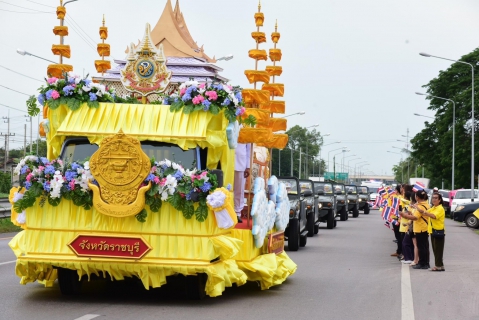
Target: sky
352, 66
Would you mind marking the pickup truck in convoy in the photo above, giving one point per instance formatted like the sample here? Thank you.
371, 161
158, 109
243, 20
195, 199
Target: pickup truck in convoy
341, 201
326, 203
364, 199
312, 214
353, 200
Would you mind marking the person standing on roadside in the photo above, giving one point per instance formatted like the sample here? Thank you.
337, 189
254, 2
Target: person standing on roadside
396, 224
407, 244
436, 222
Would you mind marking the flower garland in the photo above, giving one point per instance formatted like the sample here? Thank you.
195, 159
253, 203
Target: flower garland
52, 181
208, 97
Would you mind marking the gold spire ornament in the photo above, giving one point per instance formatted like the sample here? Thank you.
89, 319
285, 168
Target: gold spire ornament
103, 50
62, 50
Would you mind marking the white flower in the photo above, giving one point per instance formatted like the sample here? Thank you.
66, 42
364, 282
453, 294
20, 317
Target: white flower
87, 88
189, 172
86, 165
77, 80
192, 83
17, 196
22, 217
182, 86
164, 196
226, 88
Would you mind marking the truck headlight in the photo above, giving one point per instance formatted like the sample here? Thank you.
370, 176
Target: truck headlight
348, 201
360, 200
459, 208
291, 213
320, 205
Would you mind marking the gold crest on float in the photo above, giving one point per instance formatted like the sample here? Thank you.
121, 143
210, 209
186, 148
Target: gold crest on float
119, 166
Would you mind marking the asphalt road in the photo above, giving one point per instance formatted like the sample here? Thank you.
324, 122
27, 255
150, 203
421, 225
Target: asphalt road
344, 273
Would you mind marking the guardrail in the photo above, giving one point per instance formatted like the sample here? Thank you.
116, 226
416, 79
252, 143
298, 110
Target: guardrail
5, 208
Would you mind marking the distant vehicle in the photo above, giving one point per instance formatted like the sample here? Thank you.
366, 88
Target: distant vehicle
424, 181
446, 201
353, 199
468, 213
463, 196
373, 187
363, 192
312, 214
341, 201
326, 203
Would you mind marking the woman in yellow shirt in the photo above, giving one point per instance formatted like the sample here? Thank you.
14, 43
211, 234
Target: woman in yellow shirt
436, 222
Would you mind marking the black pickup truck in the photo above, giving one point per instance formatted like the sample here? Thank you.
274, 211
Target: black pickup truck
325, 203
364, 199
353, 199
310, 201
296, 231
341, 201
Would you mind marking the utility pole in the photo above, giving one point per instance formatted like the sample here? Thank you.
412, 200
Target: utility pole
31, 125
6, 135
25, 140
299, 163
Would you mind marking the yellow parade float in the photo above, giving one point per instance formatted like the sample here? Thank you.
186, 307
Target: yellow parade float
139, 167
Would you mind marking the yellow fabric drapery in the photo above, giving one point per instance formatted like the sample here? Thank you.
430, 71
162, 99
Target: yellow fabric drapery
251, 96
60, 31
275, 36
61, 50
274, 70
275, 124
274, 106
254, 135
103, 33
257, 76
279, 141
275, 54
103, 49
259, 19
259, 37
261, 116
102, 65
258, 54
61, 12
57, 70
276, 89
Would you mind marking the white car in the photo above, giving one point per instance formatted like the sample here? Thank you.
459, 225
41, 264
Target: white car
463, 196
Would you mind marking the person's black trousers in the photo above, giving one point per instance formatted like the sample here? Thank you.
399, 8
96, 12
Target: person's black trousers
422, 240
438, 249
397, 235
407, 247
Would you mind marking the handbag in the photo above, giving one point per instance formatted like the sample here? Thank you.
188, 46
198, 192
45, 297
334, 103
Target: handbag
438, 233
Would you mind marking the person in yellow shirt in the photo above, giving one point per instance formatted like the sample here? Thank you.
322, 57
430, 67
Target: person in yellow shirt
407, 244
436, 222
420, 227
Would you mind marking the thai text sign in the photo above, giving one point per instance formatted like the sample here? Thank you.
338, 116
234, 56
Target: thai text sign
276, 242
109, 246
338, 176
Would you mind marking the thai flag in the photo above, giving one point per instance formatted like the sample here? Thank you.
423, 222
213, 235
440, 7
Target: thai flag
418, 186
395, 203
387, 213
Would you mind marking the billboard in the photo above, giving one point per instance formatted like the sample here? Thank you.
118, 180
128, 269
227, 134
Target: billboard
339, 176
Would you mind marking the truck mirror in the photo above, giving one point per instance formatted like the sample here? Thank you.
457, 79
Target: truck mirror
307, 193
350, 192
339, 192
219, 176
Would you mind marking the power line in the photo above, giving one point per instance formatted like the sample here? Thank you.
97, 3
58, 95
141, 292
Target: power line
80, 35
40, 4
25, 12
15, 90
4, 105
14, 5
78, 26
19, 73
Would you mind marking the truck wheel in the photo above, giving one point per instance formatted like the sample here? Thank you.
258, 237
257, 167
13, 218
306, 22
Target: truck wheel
316, 229
310, 224
472, 221
330, 221
195, 286
343, 214
366, 209
355, 212
302, 241
293, 235
68, 281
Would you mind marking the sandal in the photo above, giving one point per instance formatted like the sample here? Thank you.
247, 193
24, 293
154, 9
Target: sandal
436, 269
442, 269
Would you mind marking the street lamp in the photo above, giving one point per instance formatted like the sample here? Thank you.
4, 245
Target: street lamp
453, 128
334, 159
359, 167
23, 52
472, 115
349, 168
301, 113
332, 151
342, 165
355, 171
402, 168
321, 149
226, 58
421, 115
289, 115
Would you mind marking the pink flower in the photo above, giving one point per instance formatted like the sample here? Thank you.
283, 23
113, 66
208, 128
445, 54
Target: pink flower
153, 169
198, 99
41, 168
182, 91
156, 180
202, 85
242, 111
72, 184
163, 182
29, 177
212, 95
52, 80
230, 87
55, 94
203, 174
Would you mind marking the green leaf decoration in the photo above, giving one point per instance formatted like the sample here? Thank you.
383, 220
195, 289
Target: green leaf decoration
201, 212
141, 216
188, 210
73, 104
54, 201
175, 201
155, 206
214, 109
189, 108
176, 106
32, 107
250, 121
53, 104
93, 104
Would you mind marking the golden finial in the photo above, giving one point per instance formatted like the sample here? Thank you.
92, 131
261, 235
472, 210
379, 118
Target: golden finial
259, 6
276, 26
61, 3
103, 19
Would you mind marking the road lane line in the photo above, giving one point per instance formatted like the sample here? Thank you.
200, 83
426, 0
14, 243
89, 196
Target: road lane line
407, 306
6, 238
88, 317
1, 263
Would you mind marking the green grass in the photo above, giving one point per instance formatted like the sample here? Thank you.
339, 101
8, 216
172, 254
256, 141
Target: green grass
3, 195
477, 231
7, 226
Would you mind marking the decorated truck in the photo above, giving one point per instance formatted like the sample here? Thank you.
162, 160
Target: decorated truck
140, 186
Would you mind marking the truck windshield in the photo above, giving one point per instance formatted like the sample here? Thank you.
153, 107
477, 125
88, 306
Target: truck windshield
291, 185
305, 186
338, 187
351, 189
326, 187
373, 190
82, 150
362, 190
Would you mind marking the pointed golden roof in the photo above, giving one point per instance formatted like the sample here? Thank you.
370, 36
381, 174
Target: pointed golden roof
172, 32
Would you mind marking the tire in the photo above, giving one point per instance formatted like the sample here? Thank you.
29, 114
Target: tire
335, 223
195, 286
330, 221
310, 224
68, 281
366, 210
472, 221
316, 229
302, 241
293, 235
355, 212
343, 214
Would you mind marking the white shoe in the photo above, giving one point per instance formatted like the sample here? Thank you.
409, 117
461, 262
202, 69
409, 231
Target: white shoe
407, 262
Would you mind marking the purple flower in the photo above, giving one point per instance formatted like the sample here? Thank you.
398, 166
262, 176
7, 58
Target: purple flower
186, 97
165, 101
238, 96
41, 99
226, 102
87, 82
218, 87
49, 169
178, 175
44, 160
188, 195
238, 111
206, 105
24, 169
28, 185
206, 187
150, 177
70, 175
228, 187
76, 166
46, 186
68, 89
92, 96
48, 94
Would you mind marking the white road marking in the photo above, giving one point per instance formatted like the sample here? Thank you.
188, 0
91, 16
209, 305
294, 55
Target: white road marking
88, 317
1, 263
407, 305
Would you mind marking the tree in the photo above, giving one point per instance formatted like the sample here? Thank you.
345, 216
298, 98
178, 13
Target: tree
433, 145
